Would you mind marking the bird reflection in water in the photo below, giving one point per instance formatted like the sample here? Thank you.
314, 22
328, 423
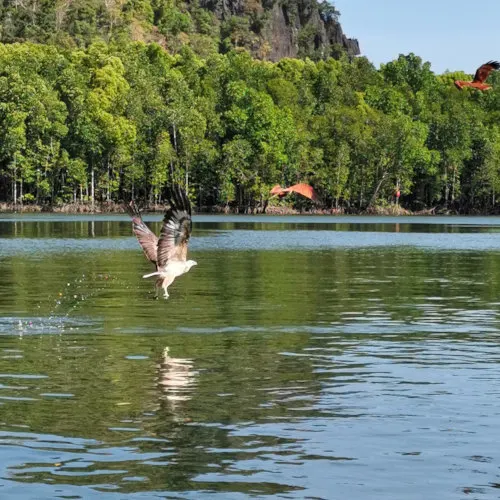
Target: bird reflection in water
177, 379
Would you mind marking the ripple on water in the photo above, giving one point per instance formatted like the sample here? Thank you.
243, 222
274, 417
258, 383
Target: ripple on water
358, 364
246, 240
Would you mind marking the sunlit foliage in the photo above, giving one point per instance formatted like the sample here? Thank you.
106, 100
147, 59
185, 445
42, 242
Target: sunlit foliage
113, 121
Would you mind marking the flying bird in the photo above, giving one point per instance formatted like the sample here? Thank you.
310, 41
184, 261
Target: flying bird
303, 189
169, 252
480, 77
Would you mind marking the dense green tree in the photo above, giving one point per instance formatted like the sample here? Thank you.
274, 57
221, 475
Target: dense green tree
120, 120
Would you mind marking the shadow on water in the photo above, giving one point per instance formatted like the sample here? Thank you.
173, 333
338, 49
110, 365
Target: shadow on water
291, 371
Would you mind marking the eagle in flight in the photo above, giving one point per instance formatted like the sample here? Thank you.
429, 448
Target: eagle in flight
302, 188
169, 252
480, 77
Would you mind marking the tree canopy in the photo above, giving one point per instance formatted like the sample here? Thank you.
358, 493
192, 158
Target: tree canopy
116, 120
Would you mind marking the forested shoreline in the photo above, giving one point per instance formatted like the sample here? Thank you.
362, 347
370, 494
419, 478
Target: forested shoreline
119, 120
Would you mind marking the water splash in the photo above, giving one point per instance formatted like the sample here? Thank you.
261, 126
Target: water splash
36, 325
60, 317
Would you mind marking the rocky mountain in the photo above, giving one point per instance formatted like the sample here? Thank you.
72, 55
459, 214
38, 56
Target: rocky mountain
269, 29
286, 28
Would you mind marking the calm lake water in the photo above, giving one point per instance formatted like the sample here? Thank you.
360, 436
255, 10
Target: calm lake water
308, 357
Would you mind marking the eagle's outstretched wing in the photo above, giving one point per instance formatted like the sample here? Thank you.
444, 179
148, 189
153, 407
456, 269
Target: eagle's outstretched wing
146, 237
176, 229
303, 189
484, 70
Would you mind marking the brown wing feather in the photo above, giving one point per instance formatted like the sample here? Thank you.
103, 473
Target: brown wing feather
146, 237
303, 189
484, 70
176, 229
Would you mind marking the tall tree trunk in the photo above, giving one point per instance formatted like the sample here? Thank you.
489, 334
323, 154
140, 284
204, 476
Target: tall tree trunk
37, 186
175, 148
453, 180
92, 192
338, 190
14, 186
171, 169
108, 194
373, 199
175, 137
446, 187
361, 192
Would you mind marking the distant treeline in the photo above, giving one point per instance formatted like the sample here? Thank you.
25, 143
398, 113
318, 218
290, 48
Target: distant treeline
115, 121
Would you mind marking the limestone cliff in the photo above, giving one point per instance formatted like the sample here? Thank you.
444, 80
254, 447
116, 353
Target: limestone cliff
270, 29
273, 29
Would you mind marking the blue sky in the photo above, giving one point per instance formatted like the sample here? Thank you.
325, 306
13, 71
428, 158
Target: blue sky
450, 34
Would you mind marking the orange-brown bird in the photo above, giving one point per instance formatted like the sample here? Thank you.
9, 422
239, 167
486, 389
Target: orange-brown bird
303, 189
480, 77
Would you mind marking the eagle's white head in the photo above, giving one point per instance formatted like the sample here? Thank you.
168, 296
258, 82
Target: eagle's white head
190, 264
